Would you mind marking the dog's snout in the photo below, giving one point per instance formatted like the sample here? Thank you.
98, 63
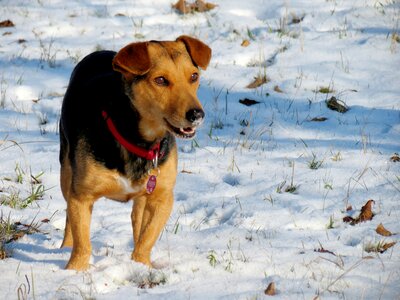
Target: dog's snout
195, 115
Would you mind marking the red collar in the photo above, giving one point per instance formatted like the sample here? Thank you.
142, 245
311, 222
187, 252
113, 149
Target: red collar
149, 154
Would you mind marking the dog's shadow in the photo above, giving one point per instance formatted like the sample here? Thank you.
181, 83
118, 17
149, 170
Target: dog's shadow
39, 252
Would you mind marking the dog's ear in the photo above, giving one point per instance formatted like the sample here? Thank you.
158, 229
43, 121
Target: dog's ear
199, 52
132, 60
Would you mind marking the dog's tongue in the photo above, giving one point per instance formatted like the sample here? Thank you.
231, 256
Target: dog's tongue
188, 130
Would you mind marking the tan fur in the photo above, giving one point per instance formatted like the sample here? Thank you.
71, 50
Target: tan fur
89, 180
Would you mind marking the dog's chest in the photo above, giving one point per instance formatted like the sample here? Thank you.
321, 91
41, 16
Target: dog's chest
124, 189
129, 187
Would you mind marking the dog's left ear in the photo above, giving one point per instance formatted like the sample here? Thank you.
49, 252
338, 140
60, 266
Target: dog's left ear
199, 52
132, 60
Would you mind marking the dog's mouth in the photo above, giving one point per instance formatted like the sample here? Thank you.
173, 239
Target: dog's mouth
183, 133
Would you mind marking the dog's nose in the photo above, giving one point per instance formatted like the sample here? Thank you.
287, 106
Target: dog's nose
195, 115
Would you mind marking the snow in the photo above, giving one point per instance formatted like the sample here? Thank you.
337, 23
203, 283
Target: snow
233, 229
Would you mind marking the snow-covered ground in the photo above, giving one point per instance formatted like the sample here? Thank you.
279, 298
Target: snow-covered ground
262, 190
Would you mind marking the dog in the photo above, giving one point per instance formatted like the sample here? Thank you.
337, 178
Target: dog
119, 119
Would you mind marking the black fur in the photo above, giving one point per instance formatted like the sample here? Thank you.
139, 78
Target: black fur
94, 86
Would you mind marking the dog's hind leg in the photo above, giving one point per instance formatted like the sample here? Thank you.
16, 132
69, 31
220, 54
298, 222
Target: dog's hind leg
66, 181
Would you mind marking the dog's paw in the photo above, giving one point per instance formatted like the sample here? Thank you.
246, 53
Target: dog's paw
78, 264
143, 259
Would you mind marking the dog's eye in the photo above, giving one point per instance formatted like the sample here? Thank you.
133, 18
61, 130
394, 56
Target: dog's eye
194, 77
161, 81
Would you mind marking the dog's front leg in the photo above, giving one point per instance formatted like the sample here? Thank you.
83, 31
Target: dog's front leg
139, 205
79, 212
156, 212
67, 241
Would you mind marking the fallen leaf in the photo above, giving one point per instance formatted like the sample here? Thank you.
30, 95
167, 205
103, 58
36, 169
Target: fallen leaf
248, 102
348, 219
201, 6
270, 290
387, 246
319, 119
258, 81
322, 250
296, 19
382, 230
17, 236
395, 158
45, 220
278, 89
338, 105
366, 211
181, 6
366, 214
245, 43
396, 37
198, 6
6, 23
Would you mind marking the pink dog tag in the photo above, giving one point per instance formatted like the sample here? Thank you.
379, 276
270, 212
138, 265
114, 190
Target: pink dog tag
151, 184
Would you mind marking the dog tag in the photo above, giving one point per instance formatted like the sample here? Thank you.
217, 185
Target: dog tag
151, 184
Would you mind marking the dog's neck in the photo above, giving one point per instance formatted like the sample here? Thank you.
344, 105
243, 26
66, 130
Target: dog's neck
151, 153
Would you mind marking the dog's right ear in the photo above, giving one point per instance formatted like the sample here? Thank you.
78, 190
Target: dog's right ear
132, 60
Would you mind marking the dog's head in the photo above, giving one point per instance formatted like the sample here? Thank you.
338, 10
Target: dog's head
163, 78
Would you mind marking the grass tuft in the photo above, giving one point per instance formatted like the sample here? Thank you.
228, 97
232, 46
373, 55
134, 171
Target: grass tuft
314, 163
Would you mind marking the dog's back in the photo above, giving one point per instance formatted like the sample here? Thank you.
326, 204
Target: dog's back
92, 87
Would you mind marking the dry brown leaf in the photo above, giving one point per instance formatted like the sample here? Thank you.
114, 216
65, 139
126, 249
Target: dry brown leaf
322, 250
258, 81
248, 102
338, 105
16, 236
270, 290
6, 23
348, 219
387, 246
278, 89
201, 6
366, 211
382, 230
3, 254
395, 158
198, 6
181, 6
319, 119
366, 214
245, 43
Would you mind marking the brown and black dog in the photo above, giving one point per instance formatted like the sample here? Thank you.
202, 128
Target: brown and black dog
120, 116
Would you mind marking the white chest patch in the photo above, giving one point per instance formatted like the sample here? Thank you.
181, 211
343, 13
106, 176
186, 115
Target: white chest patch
126, 185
